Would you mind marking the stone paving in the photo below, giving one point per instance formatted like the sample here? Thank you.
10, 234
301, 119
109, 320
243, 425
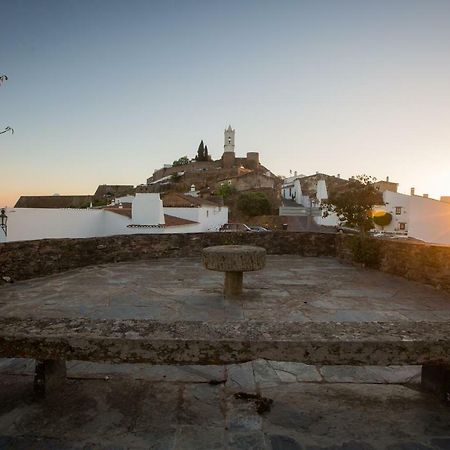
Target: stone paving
139, 406
290, 288
202, 407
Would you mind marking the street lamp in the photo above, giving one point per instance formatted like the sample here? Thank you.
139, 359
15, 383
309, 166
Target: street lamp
4, 221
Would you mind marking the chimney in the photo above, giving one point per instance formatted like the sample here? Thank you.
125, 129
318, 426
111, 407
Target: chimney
387, 179
425, 195
413, 191
295, 173
339, 175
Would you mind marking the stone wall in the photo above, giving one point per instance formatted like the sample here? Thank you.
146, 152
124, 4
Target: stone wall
29, 259
426, 263
421, 262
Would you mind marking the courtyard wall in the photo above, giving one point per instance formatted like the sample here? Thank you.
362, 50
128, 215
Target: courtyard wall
425, 263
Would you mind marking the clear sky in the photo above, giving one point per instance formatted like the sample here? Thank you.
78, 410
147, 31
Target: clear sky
107, 91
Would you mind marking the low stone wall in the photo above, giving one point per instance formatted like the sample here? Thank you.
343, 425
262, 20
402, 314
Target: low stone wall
426, 263
421, 262
29, 259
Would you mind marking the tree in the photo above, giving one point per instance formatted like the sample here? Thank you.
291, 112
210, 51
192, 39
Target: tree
181, 161
200, 152
4, 78
382, 219
225, 190
254, 204
353, 202
7, 129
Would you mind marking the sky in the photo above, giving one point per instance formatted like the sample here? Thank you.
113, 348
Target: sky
108, 91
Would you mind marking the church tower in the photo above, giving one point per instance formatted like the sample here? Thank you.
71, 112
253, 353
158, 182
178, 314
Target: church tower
229, 140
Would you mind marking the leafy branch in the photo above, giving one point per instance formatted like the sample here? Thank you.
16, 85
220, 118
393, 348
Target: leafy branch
4, 78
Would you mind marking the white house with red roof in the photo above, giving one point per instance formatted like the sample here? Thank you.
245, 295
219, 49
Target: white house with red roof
147, 213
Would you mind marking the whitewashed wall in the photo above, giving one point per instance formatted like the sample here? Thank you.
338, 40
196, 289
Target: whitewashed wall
426, 219
212, 218
42, 223
208, 217
429, 220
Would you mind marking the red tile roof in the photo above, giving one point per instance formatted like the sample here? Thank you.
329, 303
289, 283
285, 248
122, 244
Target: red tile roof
171, 221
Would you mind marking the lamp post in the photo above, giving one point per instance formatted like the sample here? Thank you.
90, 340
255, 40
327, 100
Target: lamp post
4, 221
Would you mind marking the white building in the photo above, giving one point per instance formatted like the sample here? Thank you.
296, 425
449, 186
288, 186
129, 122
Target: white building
414, 216
419, 217
145, 214
302, 196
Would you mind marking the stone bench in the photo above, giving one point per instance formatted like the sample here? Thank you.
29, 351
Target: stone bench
234, 260
53, 341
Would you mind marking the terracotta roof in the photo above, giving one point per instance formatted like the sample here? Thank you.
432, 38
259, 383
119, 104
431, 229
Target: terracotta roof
176, 200
171, 221
54, 201
122, 211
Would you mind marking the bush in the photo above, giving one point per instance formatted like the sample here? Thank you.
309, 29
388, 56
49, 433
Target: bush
366, 251
225, 190
253, 204
382, 220
181, 161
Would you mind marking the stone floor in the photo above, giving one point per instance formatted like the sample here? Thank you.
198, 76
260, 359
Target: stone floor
290, 288
139, 406
159, 407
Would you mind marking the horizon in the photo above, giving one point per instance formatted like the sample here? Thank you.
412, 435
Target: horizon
106, 93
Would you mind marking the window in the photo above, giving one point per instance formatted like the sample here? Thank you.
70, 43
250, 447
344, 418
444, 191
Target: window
398, 210
402, 226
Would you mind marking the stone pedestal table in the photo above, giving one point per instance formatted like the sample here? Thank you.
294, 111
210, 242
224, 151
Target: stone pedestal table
234, 260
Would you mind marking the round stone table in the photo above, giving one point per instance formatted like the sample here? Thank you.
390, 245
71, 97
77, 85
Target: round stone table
234, 260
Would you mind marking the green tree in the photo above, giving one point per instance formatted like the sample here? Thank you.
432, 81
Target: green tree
353, 203
175, 177
225, 190
181, 161
254, 204
382, 220
200, 152
4, 78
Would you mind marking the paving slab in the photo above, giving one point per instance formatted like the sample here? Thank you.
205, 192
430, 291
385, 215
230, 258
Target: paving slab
137, 414
289, 288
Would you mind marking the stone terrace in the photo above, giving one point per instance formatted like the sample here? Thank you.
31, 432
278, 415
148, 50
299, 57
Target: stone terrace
290, 288
193, 407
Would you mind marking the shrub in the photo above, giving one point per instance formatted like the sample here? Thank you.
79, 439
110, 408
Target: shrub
225, 190
253, 204
382, 220
366, 251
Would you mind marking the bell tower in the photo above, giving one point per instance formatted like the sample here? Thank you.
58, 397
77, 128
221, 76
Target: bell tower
229, 140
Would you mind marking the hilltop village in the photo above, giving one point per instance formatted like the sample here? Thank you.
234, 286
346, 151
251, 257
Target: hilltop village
197, 193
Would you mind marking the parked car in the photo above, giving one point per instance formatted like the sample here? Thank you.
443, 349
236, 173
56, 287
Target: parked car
229, 227
258, 229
